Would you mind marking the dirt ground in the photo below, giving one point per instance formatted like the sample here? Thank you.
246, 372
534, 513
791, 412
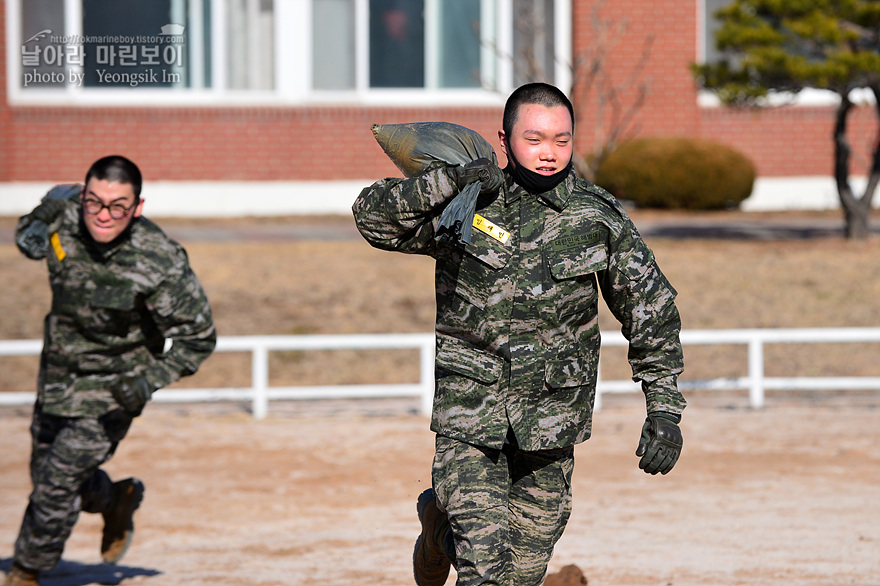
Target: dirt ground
323, 492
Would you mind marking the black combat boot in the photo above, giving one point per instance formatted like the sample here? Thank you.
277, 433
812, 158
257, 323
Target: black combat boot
21, 576
119, 519
430, 563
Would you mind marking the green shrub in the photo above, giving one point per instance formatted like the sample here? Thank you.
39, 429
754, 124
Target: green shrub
677, 173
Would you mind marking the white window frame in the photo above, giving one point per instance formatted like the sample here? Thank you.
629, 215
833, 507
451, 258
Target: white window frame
293, 63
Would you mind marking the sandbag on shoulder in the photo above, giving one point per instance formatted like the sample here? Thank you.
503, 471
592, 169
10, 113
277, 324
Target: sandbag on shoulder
414, 147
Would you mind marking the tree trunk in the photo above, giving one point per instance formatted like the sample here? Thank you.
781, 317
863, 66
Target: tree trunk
856, 210
857, 227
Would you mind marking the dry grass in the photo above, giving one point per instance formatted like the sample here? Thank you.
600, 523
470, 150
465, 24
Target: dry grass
344, 286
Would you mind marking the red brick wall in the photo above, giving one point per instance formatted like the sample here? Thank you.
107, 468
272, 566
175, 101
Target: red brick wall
335, 142
260, 143
4, 110
670, 106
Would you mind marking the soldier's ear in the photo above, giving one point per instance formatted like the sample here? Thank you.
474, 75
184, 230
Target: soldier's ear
138, 208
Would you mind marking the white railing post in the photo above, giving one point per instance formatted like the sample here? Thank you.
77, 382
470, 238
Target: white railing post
260, 380
756, 372
426, 375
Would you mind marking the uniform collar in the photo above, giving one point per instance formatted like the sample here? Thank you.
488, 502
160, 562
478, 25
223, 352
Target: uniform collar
556, 198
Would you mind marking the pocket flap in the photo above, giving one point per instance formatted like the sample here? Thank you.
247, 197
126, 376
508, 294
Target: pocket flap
462, 358
569, 371
572, 263
492, 254
119, 298
488, 250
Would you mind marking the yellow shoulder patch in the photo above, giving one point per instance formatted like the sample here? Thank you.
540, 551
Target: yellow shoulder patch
56, 246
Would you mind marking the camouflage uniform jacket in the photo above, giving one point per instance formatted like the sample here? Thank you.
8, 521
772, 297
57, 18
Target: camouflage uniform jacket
517, 310
112, 309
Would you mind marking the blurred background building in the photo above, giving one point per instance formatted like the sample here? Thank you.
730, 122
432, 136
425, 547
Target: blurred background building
265, 106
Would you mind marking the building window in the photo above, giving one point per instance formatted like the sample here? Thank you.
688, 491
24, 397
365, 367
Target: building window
132, 46
459, 31
102, 44
334, 63
710, 25
533, 41
397, 43
290, 51
173, 44
42, 16
421, 44
249, 43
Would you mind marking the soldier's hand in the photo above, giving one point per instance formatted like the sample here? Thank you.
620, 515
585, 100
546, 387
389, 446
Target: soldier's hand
132, 391
32, 237
660, 444
33, 241
483, 170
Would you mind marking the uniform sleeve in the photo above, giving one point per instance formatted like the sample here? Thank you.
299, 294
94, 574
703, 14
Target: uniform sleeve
402, 214
181, 311
643, 301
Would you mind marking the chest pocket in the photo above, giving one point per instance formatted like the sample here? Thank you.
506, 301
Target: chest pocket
113, 298
480, 269
573, 271
488, 250
111, 308
578, 253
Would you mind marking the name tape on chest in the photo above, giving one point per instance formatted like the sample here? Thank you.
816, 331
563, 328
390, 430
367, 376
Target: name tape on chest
487, 227
56, 246
577, 240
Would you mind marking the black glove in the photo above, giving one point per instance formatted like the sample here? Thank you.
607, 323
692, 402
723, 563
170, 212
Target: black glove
132, 392
660, 444
483, 170
33, 241
33, 238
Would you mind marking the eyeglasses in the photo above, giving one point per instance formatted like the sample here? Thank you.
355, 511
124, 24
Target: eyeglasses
94, 207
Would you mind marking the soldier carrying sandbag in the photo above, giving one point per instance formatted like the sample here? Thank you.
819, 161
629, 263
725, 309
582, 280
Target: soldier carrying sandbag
521, 258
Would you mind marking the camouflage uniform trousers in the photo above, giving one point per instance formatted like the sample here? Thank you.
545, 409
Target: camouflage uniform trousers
65, 471
507, 509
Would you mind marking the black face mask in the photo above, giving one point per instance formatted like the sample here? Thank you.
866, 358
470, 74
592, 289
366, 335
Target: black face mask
532, 182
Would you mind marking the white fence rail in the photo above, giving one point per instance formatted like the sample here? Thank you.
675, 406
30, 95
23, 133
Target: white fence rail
260, 393
756, 382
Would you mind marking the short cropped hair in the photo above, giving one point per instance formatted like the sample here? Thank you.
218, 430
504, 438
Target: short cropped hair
118, 169
540, 93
